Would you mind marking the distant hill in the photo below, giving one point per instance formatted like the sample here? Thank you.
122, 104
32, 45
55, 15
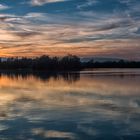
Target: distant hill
100, 59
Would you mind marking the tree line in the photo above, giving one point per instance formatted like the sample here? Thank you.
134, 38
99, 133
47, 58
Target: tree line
69, 62
111, 64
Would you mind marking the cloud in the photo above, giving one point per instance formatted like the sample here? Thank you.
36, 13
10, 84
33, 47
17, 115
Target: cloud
42, 2
97, 36
81, 32
87, 3
3, 7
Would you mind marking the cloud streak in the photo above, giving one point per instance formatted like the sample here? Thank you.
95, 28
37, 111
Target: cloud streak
3, 7
83, 32
42, 2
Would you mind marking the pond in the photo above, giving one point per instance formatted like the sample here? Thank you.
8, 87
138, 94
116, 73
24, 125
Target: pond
102, 104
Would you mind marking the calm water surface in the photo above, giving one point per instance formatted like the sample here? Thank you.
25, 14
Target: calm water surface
89, 105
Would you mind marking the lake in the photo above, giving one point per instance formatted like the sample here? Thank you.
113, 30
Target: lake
100, 104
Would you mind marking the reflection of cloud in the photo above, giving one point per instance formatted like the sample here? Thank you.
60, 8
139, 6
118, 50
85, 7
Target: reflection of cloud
87, 101
52, 133
88, 130
3, 127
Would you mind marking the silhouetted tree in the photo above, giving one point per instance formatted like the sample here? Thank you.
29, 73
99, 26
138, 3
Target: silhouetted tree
69, 62
44, 62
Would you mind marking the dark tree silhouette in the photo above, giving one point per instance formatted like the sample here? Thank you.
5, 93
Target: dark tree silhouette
66, 63
44, 62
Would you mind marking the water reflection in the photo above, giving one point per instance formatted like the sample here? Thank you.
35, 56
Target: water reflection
70, 106
44, 76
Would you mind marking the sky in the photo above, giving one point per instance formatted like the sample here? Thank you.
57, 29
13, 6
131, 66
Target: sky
86, 28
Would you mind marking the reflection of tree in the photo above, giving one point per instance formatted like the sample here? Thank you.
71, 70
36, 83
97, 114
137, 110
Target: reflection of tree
69, 77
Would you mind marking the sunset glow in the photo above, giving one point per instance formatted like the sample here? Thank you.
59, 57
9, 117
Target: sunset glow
87, 28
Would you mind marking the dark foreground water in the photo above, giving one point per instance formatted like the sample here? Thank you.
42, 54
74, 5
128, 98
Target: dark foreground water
90, 105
